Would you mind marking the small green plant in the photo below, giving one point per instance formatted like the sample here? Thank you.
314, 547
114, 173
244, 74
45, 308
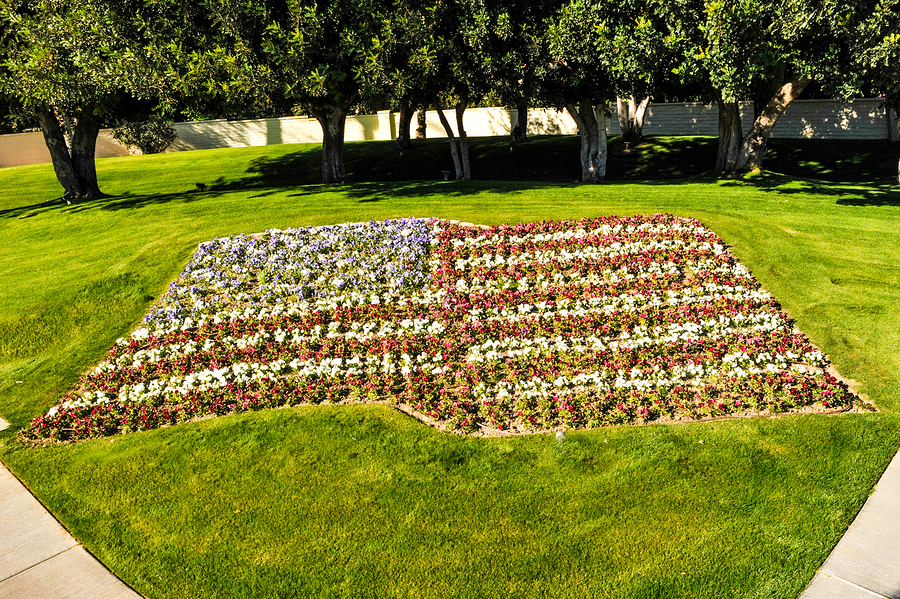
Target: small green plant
151, 136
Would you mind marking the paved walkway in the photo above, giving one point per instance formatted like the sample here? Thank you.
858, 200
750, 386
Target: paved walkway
39, 559
865, 564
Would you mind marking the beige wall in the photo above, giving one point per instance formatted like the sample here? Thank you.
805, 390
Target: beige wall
29, 148
826, 119
819, 119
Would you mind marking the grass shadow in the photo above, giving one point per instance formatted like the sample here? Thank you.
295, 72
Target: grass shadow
846, 193
126, 201
377, 171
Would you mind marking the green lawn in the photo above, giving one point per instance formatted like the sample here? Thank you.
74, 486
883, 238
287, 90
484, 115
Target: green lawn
353, 501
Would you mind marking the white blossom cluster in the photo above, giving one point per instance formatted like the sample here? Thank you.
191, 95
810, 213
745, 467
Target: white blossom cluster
562, 256
626, 302
489, 241
737, 365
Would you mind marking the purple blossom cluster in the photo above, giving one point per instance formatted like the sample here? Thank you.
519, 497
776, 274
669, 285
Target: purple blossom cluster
299, 264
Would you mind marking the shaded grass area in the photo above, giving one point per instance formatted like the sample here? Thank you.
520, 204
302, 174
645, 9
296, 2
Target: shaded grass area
134, 182
349, 500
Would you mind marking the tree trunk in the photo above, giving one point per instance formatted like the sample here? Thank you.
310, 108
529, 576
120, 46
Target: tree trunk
892, 111
753, 148
892, 116
592, 128
602, 152
403, 142
84, 148
631, 118
639, 112
730, 135
421, 125
59, 153
332, 120
520, 131
463, 139
454, 152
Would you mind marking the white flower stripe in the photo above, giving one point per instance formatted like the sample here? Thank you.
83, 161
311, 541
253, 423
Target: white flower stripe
595, 234
564, 255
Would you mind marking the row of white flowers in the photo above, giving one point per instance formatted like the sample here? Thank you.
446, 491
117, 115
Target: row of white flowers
738, 365
639, 336
614, 303
605, 277
564, 255
604, 230
336, 368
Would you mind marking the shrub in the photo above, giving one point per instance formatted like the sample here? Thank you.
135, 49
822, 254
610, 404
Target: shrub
151, 136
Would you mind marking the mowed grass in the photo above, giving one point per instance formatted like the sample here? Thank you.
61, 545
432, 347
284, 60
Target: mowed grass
350, 501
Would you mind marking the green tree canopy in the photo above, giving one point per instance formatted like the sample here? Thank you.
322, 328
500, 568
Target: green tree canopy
770, 51
61, 64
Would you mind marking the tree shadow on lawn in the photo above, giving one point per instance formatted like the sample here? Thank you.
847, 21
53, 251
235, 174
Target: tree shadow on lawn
125, 201
377, 172
848, 194
542, 159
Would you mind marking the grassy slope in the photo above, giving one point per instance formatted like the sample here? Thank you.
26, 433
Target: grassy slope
332, 501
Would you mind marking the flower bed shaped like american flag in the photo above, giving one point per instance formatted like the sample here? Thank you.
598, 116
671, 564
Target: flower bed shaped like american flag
525, 327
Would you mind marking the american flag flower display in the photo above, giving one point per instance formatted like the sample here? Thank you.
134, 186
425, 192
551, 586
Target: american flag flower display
515, 327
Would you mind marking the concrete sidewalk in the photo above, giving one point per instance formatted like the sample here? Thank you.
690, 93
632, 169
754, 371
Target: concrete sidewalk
865, 564
39, 559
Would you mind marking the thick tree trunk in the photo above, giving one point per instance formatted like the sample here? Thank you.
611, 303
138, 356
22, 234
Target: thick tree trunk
463, 140
421, 125
332, 119
753, 148
730, 137
84, 147
406, 113
454, 152
592, 128
519, 133
59, 153
631, 118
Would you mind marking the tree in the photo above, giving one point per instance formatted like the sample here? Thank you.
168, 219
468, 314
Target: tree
770, 50
58, 66
325, 56
878, 56
516, 54
408, 62
644, 53
581, 80
434, 54
460, 34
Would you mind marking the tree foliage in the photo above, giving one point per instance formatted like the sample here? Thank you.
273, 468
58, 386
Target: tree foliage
61, 64
72, 65
769, 51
